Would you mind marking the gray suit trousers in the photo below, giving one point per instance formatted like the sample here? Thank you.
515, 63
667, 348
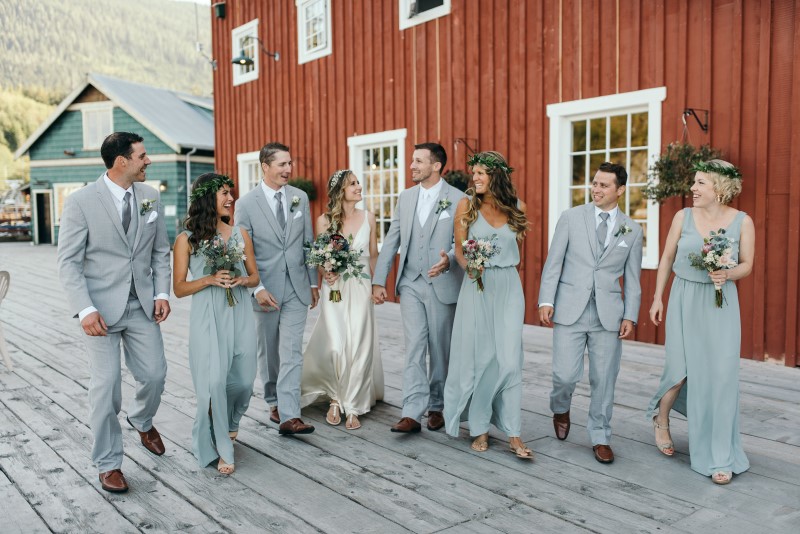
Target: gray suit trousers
143, 349
605, 351
280, 353
428, 326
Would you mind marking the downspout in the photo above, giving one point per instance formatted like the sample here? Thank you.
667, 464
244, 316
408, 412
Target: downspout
189, 176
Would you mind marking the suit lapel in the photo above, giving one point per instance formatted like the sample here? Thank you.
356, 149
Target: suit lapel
138, 197
261, 200
591, 229
107, 201
289, 212
412, 208
616, 235
443, 194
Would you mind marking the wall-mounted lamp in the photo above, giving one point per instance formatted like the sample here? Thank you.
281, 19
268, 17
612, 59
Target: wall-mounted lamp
219, 9
162, 186
244, 59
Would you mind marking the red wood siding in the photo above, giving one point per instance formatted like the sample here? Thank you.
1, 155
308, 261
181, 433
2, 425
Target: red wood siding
488, 70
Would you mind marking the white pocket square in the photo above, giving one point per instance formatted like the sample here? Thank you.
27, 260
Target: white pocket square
153, 217
444, 215
623, 244
297, 215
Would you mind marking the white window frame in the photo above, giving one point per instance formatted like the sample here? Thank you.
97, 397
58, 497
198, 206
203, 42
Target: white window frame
561, 117
303, 54
359, 143
237, 34
404, 7
89, 112
245, 163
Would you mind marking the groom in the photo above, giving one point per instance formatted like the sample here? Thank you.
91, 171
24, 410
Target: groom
428, 282
593, 246
278, 218
113, 261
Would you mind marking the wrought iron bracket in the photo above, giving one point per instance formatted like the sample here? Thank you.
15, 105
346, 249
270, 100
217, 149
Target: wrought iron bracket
466, 142
693, 112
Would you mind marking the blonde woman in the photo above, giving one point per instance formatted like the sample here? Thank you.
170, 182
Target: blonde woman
342, 361
701, 371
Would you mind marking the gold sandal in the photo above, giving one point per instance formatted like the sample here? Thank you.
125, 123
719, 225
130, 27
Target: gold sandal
521, 452
722, 477
663, 447
225, 468
352, 422
334, 416
481, 443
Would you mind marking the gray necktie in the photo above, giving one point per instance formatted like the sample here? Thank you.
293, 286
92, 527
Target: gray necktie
126, 211
602, 230
279, 214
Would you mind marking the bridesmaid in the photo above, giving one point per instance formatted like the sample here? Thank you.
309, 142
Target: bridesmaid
484, 380
222, 339
342, 361
701, 370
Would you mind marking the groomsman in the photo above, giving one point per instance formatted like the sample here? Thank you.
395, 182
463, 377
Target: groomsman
278, 218
113, 261
593, 246
428, 283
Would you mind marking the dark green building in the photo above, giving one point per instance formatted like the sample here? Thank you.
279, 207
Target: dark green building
178, 131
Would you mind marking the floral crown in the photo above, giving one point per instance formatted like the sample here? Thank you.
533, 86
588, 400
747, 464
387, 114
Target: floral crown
489, 162
338, 175
211, 186
716, 168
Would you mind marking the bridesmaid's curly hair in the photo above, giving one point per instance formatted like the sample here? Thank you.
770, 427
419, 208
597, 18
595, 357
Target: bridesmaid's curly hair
502, 189
335, 213
201, 220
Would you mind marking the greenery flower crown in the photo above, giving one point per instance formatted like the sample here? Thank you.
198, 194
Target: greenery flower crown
211, 186
716, 168
489, 163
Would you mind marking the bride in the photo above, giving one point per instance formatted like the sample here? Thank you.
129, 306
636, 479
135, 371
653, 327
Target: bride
342, 361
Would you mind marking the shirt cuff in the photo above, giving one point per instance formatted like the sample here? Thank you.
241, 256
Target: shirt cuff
86, 311
314, 287
161, 296
259, 288
543, 304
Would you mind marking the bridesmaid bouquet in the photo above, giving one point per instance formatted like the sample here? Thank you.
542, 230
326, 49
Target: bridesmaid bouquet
333, 254
221, 255
477, 252
716, 254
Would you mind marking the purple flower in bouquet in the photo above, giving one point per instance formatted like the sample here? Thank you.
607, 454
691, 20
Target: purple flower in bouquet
478, 252
333, 254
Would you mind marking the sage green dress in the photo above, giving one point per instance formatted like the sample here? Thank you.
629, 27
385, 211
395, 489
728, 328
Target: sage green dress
703, 345
484, 378
222, 359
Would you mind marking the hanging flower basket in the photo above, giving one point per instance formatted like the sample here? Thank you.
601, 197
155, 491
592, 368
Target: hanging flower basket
672, 175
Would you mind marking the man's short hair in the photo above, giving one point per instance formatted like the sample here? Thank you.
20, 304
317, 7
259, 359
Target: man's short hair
437, 153
118, 144
617, 170
268, 151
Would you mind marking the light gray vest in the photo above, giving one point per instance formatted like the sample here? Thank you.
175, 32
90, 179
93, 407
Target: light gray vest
417, 253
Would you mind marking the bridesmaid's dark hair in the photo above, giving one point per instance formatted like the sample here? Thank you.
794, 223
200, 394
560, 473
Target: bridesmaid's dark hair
201, 220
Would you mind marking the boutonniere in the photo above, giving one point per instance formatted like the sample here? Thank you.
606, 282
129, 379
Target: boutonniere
295, 203
146, 205
624, 229
443, 205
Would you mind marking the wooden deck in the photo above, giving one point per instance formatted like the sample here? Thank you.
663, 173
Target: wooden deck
368, 480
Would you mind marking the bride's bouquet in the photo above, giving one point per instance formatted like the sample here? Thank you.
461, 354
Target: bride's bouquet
478, 252
223, 255
716, 254
332, 252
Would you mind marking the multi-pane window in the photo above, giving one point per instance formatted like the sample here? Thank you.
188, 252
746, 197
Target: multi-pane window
622, 128
245, 43
249, 172
378, 161
98, 123
619, 138
313, 29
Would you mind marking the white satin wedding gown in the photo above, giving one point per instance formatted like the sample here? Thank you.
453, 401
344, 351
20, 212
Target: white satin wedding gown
342, 360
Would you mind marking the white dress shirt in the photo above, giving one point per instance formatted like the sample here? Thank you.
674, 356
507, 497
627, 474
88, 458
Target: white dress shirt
118, 194
427, 198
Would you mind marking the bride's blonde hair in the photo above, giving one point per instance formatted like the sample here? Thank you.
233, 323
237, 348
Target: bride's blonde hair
336, 184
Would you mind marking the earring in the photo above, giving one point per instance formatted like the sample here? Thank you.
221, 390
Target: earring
719, 199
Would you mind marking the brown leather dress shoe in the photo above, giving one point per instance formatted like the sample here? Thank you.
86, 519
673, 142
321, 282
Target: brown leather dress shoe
274, 416
113, 481
294, 426
603, 454
406, 425
561, 425
150, 439
435, 420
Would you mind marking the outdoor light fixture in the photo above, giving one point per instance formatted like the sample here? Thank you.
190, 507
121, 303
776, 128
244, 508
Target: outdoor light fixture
245, 60
162, 186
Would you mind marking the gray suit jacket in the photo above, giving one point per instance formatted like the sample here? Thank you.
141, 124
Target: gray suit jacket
95, 262
447, 285
276, 250
572, 270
